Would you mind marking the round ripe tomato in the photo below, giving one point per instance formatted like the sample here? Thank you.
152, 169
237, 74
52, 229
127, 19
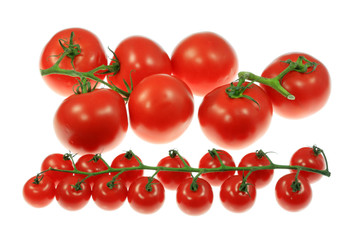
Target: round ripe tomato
69, 197
142, 55
91, 122
235, 123
144, 200
235, 200
287, 198
171, 180
57, 161
160, 108
311, 90
209, 160
92, 55
109, 196
204, 61
90, 163
126, 160
39, 193
260, 177
194, 202
307, 157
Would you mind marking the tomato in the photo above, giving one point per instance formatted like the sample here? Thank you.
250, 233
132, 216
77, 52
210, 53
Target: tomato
90, 163
142, 55
92, 55
145, 200
92, 122
109, 196
69, 197
311, 90
194, 201
39, 192
235, 200
204, 61
210, 160
260, 177
160, 108
287, 198
57, 161
126, 160
308, 157
235, 123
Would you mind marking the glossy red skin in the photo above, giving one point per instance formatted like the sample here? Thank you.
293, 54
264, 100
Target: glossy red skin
311, 90
160, 108
235, 200
217, 178
107, 198
235, 123
194, 202
171, 180
260, 178
92, 55
39, 195
56, 161
289, 200
129, 176
204, 61
85, 164
92, 122
143, 201
144, 56
306, 157
69, 198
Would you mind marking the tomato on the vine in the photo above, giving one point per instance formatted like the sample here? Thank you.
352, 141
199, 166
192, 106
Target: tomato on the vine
90, 163
90, 56
57, 161
91, 122
39, 191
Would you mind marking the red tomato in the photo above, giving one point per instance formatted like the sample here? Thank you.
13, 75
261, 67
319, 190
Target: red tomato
92, 55
109, 196
194, 202
204, 61
235, 123
235, 200
209, 160
307, 157
144, 200
93, 122
57, 161
260, 177
287, 198
126, 160
39, 193
69, 197
91, 164
311, 90
160, 108
142, 55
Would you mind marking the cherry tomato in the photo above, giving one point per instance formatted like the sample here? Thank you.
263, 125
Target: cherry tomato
204, 61
311, 90
142, 55
109, 196
210, 160
194, 201
126, 160
91, 55
235, 200
39, 192
57, 161
91, 122
235, 123
160, 108
90, 163
69, 197
260, 177
307, 157
145, 200
287, 198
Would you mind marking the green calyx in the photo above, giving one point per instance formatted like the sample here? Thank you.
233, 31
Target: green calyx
238, 90
72, 50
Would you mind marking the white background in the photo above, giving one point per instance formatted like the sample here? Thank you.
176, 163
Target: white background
259, 31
